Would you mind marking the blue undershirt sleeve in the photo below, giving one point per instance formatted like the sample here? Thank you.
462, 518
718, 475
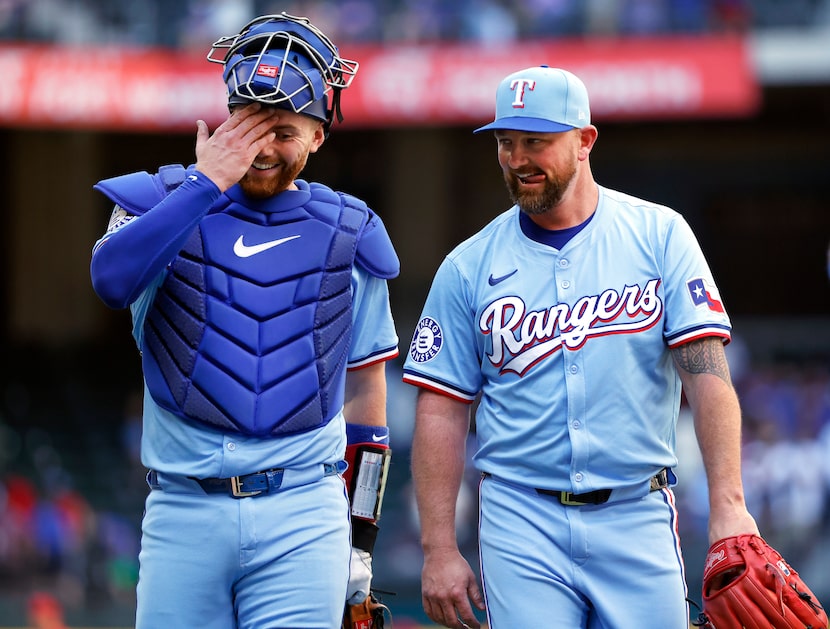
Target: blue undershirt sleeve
126, 260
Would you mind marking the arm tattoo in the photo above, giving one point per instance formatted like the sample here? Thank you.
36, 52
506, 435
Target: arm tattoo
703, 356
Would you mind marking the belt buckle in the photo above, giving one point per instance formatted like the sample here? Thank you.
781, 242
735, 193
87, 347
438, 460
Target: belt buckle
659, 480
565, 499
236, 489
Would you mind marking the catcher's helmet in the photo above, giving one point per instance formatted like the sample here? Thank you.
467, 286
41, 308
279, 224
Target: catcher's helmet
284, 61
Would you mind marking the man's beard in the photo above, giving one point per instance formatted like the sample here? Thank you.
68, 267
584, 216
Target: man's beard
535, 203
259, 188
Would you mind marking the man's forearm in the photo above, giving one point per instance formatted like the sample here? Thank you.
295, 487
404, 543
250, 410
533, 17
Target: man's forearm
717, 416
438, 456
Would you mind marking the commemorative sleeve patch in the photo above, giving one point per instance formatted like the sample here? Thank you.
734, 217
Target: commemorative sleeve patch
704, 294
426, 341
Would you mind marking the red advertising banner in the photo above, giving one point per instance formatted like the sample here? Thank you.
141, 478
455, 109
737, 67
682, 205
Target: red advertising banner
153, 90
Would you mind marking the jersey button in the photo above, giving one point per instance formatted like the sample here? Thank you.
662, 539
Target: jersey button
573, 369
231, 446
577, 424
578, 477
564, 263
565, 284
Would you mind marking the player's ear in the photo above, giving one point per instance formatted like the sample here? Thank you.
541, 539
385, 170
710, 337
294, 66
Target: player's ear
318, 137
587, 137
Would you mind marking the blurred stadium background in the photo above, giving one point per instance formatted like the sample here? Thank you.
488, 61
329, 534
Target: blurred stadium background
718, 108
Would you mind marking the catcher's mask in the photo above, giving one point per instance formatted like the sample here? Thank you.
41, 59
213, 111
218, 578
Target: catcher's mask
286, 62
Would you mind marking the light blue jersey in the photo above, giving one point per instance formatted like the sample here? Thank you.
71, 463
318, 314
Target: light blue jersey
565, 403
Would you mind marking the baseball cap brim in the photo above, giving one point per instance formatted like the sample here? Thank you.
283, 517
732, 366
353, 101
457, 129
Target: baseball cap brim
522, 123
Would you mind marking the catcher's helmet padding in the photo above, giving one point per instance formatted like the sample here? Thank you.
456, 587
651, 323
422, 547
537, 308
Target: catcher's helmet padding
284, 61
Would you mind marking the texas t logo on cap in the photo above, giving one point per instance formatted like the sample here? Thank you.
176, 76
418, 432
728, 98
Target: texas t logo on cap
519, 86
541, 100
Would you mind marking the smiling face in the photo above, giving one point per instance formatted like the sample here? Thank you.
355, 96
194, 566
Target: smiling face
279, 163
538, 168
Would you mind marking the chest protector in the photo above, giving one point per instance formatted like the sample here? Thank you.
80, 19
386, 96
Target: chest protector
250, 330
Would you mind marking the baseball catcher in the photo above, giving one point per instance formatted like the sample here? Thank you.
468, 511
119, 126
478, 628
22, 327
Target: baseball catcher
261, 309
748, 585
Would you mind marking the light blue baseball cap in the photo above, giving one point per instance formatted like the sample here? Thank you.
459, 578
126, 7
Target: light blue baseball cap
542, 100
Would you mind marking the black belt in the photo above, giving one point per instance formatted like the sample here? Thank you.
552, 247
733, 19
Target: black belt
247, 485
600, 496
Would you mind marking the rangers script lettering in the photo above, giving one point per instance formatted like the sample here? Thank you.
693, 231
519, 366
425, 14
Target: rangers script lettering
505, 316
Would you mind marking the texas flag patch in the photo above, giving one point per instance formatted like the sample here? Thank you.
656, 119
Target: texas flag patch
704, 293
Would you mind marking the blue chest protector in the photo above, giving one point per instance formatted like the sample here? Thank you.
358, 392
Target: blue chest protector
250, 330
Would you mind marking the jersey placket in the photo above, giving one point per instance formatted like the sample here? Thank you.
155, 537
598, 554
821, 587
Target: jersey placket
573, 370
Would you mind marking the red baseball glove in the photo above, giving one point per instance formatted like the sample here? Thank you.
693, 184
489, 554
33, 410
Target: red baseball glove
748, 585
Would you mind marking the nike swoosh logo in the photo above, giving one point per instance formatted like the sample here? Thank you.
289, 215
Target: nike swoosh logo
246, 251
498, 280
375, 438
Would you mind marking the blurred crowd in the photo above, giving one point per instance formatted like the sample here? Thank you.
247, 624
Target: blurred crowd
70, 506
786, 456
77, 542
194, 24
